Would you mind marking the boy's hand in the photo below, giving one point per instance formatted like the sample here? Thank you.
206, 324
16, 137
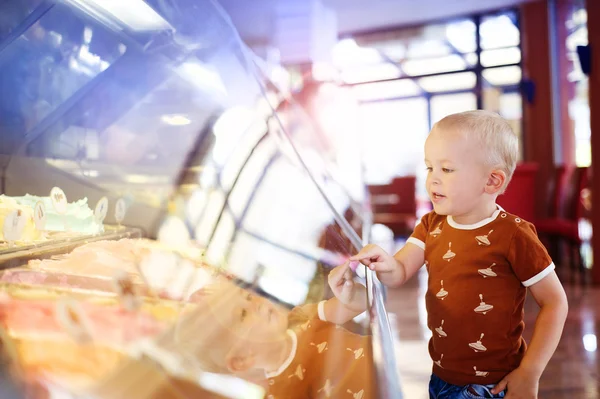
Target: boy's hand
380, 261
346, 290
519, 384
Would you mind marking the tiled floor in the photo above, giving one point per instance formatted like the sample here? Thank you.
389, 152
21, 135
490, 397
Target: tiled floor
573, 372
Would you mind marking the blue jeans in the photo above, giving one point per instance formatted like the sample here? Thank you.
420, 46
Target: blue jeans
440, 389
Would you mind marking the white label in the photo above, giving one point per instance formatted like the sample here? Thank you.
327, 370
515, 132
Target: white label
59, 200
39, 216
127, 292
120, 210
101, 210
72, 318
14, 224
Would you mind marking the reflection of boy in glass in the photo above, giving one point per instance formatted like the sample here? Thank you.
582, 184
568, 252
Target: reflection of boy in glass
303, 354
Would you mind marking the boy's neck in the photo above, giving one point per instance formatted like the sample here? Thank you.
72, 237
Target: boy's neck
278, 353
477, 215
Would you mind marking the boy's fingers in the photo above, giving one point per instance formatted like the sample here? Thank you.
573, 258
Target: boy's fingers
347, 289
366, 254
381, 267
348, 274
500, 387
360, 257
338, 273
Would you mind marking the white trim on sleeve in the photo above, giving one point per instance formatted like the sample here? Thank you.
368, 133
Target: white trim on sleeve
321, 310
416, 242
538, 277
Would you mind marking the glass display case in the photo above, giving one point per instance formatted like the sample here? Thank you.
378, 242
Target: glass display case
172, 221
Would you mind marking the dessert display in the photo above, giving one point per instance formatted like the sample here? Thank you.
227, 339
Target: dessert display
78, 218
70, 343
103, 323
97, 259
154, 269
72, 338
8, 206
64, 362
72, 319
33, 227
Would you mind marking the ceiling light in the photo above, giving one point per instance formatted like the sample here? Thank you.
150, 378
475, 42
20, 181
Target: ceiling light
133, 14
590, 343
176, 120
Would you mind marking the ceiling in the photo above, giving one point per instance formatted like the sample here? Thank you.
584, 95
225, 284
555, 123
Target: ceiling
254, 19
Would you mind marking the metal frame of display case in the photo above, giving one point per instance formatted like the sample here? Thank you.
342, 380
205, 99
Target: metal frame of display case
383, 341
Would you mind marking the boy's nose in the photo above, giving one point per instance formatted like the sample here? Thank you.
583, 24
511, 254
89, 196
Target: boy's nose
434, 179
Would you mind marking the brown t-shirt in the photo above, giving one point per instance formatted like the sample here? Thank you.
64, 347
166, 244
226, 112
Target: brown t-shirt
327, 361
478, 276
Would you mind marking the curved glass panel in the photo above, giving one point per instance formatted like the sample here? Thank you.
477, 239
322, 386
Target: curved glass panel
171, 222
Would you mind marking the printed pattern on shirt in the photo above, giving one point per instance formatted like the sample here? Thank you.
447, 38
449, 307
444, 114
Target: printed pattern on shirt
476, 293
330, 362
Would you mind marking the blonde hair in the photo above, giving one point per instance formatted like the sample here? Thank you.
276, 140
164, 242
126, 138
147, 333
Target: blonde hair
197, 337
492, 133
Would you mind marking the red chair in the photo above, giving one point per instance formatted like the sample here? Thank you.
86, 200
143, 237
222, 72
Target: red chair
395, 205
564, 227
333, 238
519, 197
557, 191
556, 194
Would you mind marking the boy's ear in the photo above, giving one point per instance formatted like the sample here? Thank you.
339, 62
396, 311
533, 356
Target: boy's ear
241, 361
495, 181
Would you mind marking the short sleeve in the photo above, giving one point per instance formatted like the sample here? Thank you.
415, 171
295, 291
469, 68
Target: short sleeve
528, 256
418, 236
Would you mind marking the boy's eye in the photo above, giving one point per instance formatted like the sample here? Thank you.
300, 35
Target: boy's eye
429, 169
249, 297
243, 314
446, 170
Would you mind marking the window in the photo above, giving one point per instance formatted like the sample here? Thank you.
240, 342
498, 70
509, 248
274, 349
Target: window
499, 31
386, 90
395, 133
502, 56
579, 107
408, 79
510, 75
370, 73
447, 63
442, 83
444, 105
